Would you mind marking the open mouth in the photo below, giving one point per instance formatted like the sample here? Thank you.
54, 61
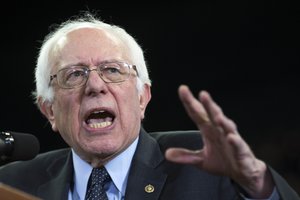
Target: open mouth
100, 119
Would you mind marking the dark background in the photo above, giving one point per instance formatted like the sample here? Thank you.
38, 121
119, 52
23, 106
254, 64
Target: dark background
245, 53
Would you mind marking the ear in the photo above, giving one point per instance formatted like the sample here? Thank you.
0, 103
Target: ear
145, 97
46, 108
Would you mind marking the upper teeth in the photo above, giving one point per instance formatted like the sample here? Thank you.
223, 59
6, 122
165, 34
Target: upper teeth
100, 111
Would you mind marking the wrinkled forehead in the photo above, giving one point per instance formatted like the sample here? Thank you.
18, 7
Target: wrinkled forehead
90, 37
89, 44
95, 34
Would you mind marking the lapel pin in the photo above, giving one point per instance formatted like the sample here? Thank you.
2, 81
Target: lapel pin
149, 188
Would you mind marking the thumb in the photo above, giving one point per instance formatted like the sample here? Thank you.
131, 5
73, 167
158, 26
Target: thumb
184, 156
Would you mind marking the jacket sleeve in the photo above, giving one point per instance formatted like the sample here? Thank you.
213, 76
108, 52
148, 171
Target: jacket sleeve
283, 188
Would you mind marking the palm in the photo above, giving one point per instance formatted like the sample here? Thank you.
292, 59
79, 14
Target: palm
224, 151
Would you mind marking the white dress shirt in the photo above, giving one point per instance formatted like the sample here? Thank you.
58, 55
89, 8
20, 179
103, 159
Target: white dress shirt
117, 168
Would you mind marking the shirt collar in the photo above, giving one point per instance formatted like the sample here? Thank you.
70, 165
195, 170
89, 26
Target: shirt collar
117, 168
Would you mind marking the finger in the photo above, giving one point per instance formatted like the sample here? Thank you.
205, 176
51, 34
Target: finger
227, 124
239, 147
193, 107
216, 114
184, 156
213, 110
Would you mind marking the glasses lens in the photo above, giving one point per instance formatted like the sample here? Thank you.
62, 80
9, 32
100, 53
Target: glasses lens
76, 76
114, 71
71, 77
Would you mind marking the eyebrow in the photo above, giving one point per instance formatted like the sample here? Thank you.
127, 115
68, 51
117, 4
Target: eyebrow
81, 63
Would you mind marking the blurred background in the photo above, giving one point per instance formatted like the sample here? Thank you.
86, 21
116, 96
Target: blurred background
245, 53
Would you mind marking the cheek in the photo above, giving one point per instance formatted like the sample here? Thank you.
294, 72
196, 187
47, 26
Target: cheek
131, 105
127, 102
66, 114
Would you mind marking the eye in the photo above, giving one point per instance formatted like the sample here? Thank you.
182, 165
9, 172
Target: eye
111, 70
74, 74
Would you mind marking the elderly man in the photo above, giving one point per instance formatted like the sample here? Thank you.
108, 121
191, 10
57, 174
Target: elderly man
92, 84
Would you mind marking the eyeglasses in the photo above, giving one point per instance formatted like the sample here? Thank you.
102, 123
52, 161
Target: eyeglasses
77, 76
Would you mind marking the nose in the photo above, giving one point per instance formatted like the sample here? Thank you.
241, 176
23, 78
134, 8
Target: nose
95, 85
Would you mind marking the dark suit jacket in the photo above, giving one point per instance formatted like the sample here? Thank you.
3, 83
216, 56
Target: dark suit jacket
50, 175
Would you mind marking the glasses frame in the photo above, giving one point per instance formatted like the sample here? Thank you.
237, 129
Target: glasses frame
87, 72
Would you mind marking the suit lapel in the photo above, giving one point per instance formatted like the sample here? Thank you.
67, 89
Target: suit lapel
146, 177
145, 181
60, 179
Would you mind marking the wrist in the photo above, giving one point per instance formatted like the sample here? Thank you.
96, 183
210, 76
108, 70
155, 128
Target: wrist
260, 183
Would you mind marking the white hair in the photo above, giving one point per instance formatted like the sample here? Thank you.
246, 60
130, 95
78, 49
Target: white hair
51, 44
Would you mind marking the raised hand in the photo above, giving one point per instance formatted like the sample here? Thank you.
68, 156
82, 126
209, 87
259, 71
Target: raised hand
224, 152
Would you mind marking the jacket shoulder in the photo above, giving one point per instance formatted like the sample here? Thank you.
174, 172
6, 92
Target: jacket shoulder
41, 161
46, 157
